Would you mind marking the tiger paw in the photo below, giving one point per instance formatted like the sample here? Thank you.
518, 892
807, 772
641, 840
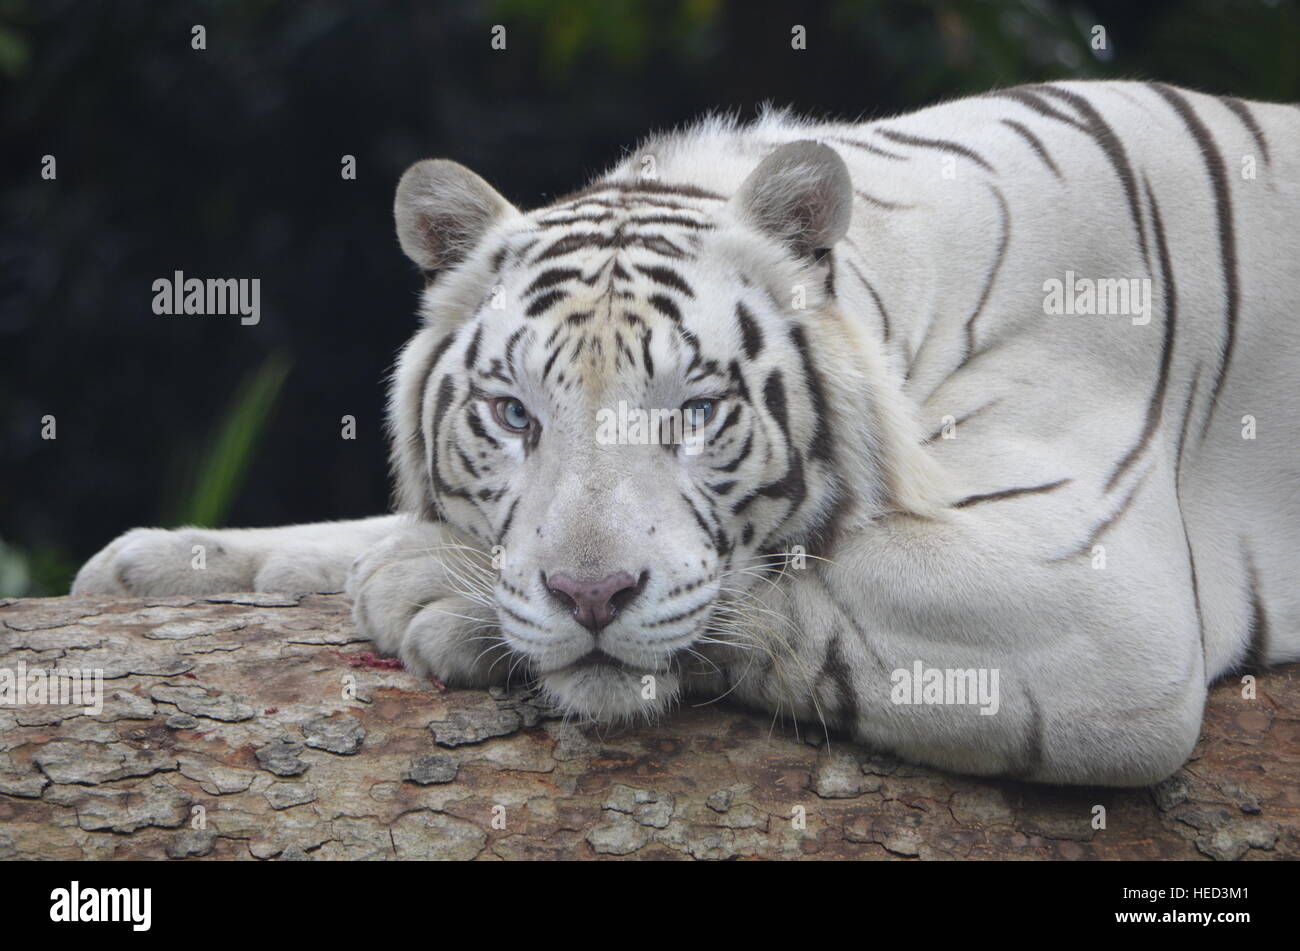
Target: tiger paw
155, 561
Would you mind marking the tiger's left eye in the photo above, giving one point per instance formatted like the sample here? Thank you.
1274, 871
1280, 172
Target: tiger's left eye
511, 414
699, 412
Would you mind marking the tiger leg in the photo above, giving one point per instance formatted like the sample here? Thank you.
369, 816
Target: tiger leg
292, 558
1065, 675
427, 596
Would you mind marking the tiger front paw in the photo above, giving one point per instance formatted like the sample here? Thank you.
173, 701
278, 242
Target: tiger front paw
155, 562
430, 605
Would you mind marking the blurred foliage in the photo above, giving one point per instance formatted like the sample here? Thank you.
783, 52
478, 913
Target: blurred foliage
224, 162
216, 479
622, 33
225, 462
35, 572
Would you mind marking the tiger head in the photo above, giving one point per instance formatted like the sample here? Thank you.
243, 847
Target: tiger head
640, 399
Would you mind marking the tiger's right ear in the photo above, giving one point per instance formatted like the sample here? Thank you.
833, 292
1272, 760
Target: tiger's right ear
442, 210
800, 194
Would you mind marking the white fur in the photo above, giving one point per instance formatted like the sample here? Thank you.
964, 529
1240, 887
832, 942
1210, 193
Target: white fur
1103, 671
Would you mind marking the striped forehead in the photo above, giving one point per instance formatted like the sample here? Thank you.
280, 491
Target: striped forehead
590, 230
629, 324
600, 279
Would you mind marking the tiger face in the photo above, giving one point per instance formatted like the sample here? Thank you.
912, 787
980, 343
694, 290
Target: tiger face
616, 398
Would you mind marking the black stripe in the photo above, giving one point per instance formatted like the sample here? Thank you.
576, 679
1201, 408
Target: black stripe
645, 353
1108, 522
543, 302
1105, 136
691, 341
836, 670
1218, 176
509, 520
1156, 405
1035, 741
791, 486
496, 371
666, 306
1034, 142
574, 242
647, 187
1009, 493
471, 352
632, 190
1242, 112
1026, 96
522, 620
425, 373
1187, 417
774, 400
1003, 240
820, 447
1178, 483
446, 389
957, 421
674, 220
880, 202
573, 218
880, 305
943, 145
732, 418
823, 537
655, 243
868, 147
550, 361
699, 519
745, 450
667, 277
681, 616
498, 258
738, 380
751, 337
510, 347
551, 277
468, 465
476, 427
1258, 631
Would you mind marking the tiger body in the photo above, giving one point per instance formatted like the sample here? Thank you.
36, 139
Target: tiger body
908, 462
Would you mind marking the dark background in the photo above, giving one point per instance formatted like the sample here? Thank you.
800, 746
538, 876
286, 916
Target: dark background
225, 162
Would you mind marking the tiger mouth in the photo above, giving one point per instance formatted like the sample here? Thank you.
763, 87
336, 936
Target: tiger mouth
598, 660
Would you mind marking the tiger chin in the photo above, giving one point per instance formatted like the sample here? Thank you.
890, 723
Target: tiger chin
852, 440
608, 692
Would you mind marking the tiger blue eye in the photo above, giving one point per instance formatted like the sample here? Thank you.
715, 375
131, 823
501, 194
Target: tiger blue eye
698, 412
511, 414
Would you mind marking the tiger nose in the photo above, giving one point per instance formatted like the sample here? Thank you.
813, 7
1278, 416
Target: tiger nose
594, 603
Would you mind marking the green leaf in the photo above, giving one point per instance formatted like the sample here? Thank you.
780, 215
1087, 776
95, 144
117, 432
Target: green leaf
225, 462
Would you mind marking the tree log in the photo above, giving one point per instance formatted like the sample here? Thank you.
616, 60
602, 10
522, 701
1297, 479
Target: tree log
263, 727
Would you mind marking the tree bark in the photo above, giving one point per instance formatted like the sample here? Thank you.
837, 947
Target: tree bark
262, 726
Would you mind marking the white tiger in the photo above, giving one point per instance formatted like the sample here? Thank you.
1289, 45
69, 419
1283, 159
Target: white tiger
905, 461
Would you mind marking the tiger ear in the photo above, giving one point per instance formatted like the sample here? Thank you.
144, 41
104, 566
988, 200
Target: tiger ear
801, 194
442, 210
